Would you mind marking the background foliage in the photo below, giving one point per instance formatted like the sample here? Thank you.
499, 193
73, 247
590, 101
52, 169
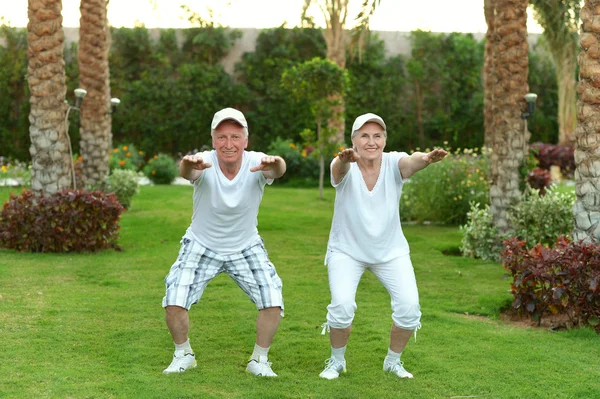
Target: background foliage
536, 218
443, 192
170, 90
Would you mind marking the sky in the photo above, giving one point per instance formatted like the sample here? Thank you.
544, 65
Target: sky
391, 15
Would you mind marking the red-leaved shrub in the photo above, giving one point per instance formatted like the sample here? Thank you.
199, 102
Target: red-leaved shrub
540, 179
563, 280
68, 221
554, 154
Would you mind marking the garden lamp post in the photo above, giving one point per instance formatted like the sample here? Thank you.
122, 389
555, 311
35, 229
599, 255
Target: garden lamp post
79, 95
530, 99
114, 103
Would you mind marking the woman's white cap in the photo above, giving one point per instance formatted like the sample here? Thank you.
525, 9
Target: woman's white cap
361, 120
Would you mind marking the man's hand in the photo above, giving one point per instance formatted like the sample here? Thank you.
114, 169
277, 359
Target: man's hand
268, 163
348, 155
435, 156
195, 162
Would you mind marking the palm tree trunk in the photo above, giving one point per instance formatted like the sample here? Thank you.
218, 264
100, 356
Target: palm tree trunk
96, 135
509, 133
567, 96
587, 136
51, 163
560, 20
488, 72
335, 34
335, 38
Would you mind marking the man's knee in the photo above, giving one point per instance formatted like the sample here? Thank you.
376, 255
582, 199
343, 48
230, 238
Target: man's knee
174, 310
273, 311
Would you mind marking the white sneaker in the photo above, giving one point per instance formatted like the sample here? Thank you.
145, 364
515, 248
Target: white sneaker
261, 368
333, 368
181, 362
396, 368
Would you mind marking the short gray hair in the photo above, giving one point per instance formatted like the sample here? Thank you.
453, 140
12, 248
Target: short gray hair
212, 131
354, 134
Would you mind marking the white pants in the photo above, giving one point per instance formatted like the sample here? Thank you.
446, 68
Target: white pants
397, 276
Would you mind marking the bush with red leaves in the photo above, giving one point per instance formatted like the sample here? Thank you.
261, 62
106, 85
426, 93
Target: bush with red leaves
554, 154
564, 279
68, 221
539, 179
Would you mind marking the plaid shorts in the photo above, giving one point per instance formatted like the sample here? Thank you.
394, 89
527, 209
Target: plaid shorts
196, 266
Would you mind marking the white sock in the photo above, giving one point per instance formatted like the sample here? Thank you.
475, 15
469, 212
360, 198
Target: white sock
338, 353
392, 357
184, 348
259, 351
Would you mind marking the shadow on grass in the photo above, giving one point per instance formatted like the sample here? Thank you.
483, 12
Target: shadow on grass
451, 251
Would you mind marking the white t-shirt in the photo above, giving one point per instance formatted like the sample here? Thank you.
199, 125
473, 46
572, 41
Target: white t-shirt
366, 224
226, 211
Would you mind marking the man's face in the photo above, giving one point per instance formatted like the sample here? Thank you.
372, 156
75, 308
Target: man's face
229, 140
369, 141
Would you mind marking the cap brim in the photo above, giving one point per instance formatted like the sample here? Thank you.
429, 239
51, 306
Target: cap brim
374, 120
228, 118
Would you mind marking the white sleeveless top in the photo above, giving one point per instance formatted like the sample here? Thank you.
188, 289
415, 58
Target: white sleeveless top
366, 224
225, 214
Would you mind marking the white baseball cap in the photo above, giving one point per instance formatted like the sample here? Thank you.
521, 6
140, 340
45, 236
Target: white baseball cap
361, 120
229, 114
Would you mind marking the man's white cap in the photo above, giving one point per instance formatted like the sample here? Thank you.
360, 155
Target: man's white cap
229, 114
361, 120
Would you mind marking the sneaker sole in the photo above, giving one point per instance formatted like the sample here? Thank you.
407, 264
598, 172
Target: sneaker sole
193, 366
407, 377
332, 378
260, 375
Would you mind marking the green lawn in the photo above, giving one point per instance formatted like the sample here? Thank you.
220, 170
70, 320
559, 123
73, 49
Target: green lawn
92, 326
565, 186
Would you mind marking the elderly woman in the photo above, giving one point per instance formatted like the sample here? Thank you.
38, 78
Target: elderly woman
366, 234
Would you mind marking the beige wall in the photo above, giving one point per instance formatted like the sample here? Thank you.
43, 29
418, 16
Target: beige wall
395, 43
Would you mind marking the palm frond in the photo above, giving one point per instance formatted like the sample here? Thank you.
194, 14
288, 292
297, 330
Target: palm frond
304, 18
360, 31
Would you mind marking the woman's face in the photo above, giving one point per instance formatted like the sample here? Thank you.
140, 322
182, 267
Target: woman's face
369, 141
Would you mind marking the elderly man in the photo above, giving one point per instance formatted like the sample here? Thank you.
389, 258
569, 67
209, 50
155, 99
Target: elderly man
228, 188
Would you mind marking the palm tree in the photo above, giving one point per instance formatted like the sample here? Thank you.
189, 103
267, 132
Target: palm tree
559, 18
335, 12
488, 72
509, 137
587, 137
96, 135
51, 163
